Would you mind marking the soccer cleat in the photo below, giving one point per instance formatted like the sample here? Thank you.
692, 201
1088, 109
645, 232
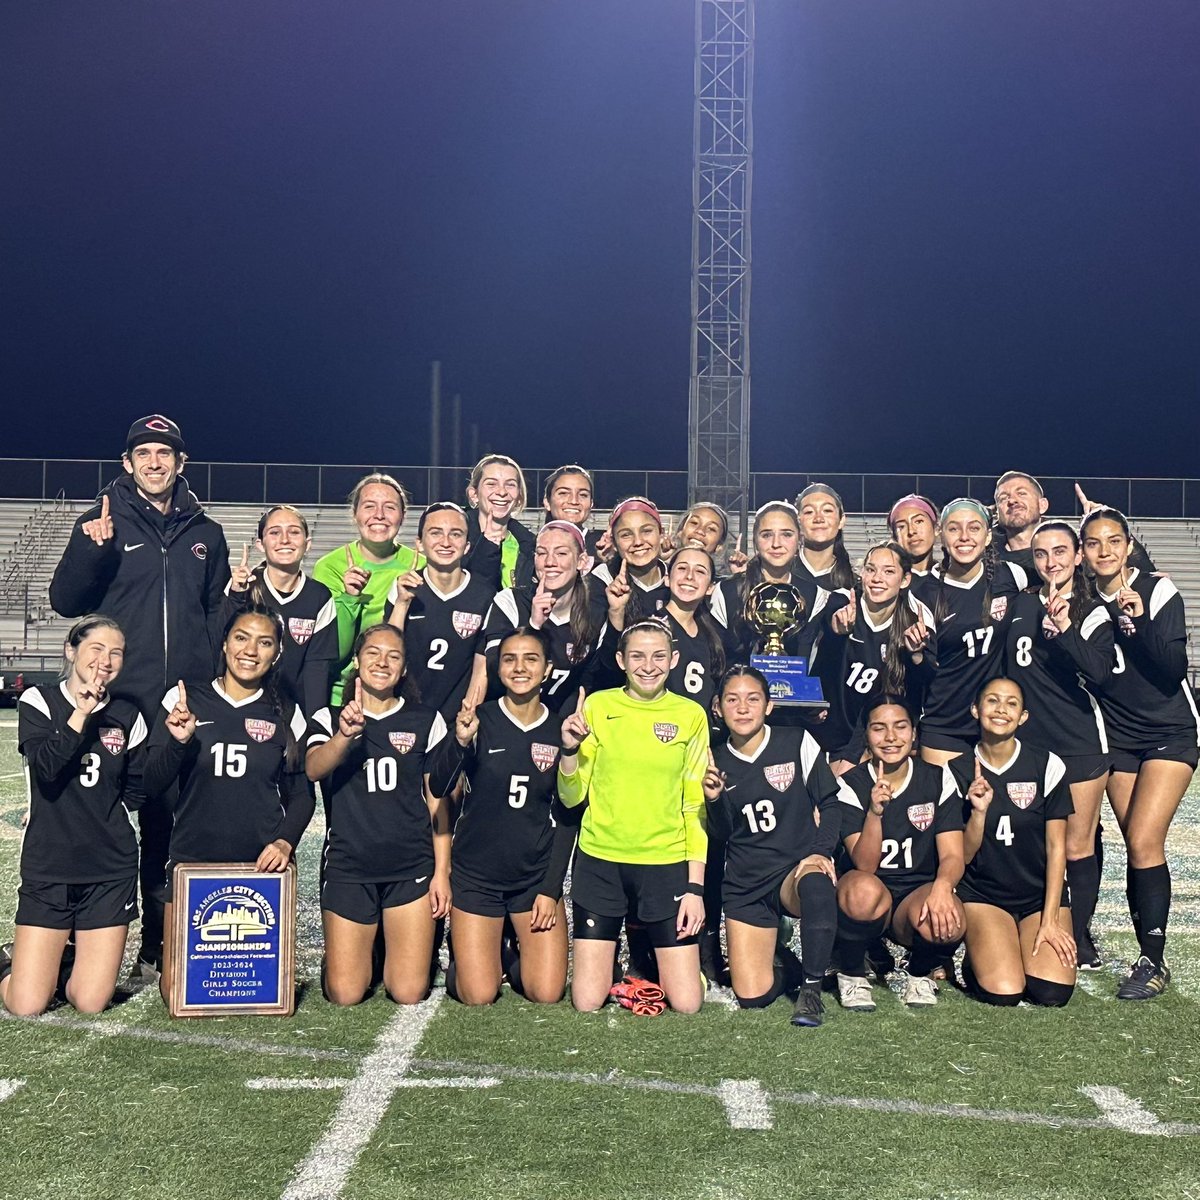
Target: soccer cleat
808, 1012
143, 974
1087, 956
919, 991
640, 996
1145, 980
6, 960
854, 993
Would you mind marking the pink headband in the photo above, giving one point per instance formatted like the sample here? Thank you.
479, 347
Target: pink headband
635, 504
566, 527
911, 501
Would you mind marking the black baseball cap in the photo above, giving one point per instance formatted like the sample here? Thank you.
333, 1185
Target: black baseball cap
155, 428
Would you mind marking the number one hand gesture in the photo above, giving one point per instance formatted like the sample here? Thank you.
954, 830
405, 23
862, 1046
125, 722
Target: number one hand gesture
980, 792
352, 720
100, 529
181, 721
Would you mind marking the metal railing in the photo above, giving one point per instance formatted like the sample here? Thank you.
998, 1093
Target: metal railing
308, 483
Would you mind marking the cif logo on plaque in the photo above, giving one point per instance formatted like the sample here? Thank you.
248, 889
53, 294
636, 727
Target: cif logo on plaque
234, 940
775, 611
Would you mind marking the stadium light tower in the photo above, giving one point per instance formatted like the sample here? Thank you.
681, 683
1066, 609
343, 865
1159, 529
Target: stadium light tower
719, 395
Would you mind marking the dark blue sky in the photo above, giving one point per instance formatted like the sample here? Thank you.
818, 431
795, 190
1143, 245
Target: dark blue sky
976, 229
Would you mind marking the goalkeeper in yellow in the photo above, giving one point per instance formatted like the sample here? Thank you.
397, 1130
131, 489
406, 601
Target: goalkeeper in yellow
637, 755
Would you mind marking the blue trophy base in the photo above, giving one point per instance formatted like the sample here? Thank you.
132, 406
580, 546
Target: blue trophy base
789, 680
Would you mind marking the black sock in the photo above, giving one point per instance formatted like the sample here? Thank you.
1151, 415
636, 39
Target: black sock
1131, 898
1083, 878
1152, 890
714, 878
853, 938
818, 923
926, 955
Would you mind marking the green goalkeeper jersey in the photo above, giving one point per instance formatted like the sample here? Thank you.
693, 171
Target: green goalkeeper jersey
641, 770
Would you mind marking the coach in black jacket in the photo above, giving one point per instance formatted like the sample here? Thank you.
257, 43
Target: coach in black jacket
147, 555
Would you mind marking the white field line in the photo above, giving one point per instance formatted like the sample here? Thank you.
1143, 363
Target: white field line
1124, 1112
746, 1104
9, 1087
365, 1099
284, 1084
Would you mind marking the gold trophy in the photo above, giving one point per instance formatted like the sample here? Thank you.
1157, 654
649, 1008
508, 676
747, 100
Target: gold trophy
776, 610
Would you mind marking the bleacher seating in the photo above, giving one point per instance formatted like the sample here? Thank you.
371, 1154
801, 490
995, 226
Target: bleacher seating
33, 535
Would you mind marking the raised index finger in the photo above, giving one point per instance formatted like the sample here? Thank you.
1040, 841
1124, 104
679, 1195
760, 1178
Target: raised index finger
104, 507
1083, 500
349, 557
358, 690
182, 694
579, 702
978, 769
245, 554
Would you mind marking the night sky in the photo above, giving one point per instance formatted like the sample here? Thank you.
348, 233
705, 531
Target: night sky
976, 230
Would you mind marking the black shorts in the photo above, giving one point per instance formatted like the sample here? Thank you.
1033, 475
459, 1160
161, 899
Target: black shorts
484, 899
78, 905
1016, 908
900, 894
1082, 767
762, 909
947, 742
1129, 761
364, 903
603, 893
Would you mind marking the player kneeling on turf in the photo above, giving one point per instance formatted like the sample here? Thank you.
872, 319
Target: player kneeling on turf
773, 798
902, 832
513, 840
387, 847
1019, 943
637, 755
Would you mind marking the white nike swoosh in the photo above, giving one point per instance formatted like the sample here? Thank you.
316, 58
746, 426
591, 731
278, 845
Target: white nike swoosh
1164, 747
1016, 619
681, 897
417, 617
135, 546
729, 787
199, 723
500, 751
129, 905
421, 880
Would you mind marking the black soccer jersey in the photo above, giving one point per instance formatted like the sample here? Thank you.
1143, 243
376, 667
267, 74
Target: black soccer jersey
236, 792
82, 787
970, 646
442, 633
804, 573
652, 594
1057, 672
379, 827
511, 817
1009, 868
927, 803
310, 641
766, 812
568, 663
1146, 700
851, 669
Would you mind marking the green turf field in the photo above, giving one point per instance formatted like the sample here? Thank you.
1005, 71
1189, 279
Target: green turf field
1098, 1100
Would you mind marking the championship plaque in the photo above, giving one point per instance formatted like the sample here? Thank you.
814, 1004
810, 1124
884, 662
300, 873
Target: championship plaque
775, 610
234, 940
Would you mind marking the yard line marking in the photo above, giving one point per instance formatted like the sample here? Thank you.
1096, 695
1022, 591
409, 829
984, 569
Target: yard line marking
746, 1104
9, 1087
177, 1038
807, 1099
270, 1084
1124, 1112
365, 1099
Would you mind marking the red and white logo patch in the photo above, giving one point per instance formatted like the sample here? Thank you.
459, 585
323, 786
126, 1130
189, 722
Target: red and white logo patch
1125, 625
301, 628
921, 815
200, 550
1022, 794
465, 624
780, 776
665, 731
543, 756
403, 742
1049, 629
113, 740
260, 731
999, 608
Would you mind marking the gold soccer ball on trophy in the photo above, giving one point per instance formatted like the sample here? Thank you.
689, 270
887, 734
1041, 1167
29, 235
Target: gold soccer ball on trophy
775, 610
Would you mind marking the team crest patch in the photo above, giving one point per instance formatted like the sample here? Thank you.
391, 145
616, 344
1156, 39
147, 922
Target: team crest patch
921, 815
1125, 625
465, 623
1022, 794
780, 776
200, 550
113, 740
543, 756
403, 742
999, 608
260, 731
665, 731
301, 628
